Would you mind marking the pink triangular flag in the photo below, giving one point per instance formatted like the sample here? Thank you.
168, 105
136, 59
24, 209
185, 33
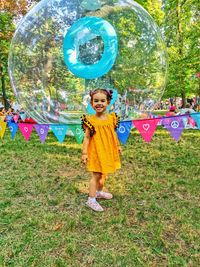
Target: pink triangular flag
146, 128
15, 118
26, 130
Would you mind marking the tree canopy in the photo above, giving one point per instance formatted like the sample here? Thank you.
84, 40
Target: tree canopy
181, 26
179, 22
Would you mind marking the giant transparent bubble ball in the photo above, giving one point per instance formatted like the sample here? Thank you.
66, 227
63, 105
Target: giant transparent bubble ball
48, 91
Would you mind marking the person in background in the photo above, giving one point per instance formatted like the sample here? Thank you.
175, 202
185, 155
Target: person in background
171, 112
189, 122
161, 105
2, 111
188, 109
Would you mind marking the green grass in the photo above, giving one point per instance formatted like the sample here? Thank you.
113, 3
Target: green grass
160, 112
153, 219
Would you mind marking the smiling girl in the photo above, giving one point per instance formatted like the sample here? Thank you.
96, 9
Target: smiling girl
101, 146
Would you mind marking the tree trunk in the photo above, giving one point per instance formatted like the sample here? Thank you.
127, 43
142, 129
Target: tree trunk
183, 99
6, 104
180, 51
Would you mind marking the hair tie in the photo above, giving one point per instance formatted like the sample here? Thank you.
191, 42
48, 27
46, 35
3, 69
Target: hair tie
110, 92
91, 93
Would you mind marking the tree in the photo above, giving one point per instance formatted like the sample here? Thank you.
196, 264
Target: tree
154, 7
181, 28
7, 29
10, 13
138, 64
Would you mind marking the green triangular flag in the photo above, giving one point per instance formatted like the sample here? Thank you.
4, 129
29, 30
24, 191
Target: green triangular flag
78, 132
23, 116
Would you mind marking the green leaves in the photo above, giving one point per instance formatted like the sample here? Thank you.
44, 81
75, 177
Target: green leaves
181, 28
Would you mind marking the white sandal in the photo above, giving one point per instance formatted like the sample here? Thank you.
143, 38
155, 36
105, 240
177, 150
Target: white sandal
94, 205
104, 195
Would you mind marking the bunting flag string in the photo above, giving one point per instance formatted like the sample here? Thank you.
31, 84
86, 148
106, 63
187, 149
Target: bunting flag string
174, 124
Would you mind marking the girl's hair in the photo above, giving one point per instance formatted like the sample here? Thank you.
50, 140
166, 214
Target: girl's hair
108, 93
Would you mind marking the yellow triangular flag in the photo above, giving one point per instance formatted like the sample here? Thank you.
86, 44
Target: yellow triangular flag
2, 118
2, 128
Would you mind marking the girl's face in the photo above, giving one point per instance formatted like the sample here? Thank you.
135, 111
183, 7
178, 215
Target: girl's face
99, 102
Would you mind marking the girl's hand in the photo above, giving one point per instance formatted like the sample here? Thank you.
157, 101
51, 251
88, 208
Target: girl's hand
84, 158
120, 150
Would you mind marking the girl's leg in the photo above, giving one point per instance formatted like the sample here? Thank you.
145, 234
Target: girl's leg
100, 193
92, 203
101, 182
94, 182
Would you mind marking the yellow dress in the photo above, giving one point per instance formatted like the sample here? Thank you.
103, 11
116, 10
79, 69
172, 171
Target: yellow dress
103, 148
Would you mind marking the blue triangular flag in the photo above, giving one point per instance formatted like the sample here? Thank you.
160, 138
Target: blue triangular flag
196, 117
185, 120
123, 131
9, 118
59, 131
13, 128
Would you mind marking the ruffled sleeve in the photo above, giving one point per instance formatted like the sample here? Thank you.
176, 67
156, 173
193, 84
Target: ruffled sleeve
86, 124
116, 120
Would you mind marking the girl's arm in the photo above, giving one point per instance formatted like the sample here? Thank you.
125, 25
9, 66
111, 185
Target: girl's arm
120, 149
116, 123
85, 146
119, 146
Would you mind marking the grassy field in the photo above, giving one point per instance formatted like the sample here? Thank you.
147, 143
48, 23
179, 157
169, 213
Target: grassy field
153, 219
